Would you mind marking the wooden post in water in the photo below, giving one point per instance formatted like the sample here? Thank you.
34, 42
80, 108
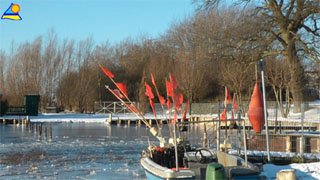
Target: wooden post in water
45, 132
129, 122
40, 130
50, 133
29, 127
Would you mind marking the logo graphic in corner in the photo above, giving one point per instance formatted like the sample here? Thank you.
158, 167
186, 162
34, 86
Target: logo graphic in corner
12, 12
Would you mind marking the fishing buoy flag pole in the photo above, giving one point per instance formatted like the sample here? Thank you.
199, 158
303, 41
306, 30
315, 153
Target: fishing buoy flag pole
261, 64
122, 92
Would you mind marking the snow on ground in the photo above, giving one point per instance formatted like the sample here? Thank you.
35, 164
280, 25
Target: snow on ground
307, 171
62, 117
276, 154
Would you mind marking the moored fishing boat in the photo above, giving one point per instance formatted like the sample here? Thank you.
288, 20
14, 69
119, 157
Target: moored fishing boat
195, 163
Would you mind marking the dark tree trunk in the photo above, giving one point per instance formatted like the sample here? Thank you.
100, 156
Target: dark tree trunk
297, 81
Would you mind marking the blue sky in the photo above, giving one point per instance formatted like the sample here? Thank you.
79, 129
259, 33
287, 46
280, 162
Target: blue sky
112, 20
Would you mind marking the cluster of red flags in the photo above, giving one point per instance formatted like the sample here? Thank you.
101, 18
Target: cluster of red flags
177, 98
171, 86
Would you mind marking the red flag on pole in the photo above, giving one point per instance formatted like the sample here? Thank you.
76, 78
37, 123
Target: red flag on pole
235, 105
169, 89
149, 91
228, 96
169, 105
153, 81
122, 88
161, 99
223, 115
173, 81
178, 99
106, 71
152, 106
175, 118
185, 110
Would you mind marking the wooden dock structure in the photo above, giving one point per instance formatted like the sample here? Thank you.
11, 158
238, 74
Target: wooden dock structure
9, 120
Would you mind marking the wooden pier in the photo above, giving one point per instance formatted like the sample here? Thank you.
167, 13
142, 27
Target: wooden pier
8, 120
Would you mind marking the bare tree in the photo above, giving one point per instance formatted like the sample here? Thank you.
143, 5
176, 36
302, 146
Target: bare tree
294, 25
279, 79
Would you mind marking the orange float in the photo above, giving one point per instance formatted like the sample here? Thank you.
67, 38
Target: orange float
255, 112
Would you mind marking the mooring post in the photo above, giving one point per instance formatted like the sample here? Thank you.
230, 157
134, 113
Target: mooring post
45, 132
50, 133
40, 130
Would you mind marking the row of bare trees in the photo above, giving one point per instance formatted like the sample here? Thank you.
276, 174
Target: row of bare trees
215, 47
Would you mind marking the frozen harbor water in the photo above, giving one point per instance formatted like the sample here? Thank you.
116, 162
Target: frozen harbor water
77, 151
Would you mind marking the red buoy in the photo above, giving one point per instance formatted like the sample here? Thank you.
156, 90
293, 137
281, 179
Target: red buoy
255, 112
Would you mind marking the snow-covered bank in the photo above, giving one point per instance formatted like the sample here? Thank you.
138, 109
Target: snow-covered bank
63, 117
88, 118
276, 154
306, 171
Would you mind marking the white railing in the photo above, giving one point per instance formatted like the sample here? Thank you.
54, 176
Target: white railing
105, 107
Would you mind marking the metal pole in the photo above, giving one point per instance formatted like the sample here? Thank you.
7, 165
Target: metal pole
245, 142
219, 124
239, 133
265, 109
302, 145
175, 147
